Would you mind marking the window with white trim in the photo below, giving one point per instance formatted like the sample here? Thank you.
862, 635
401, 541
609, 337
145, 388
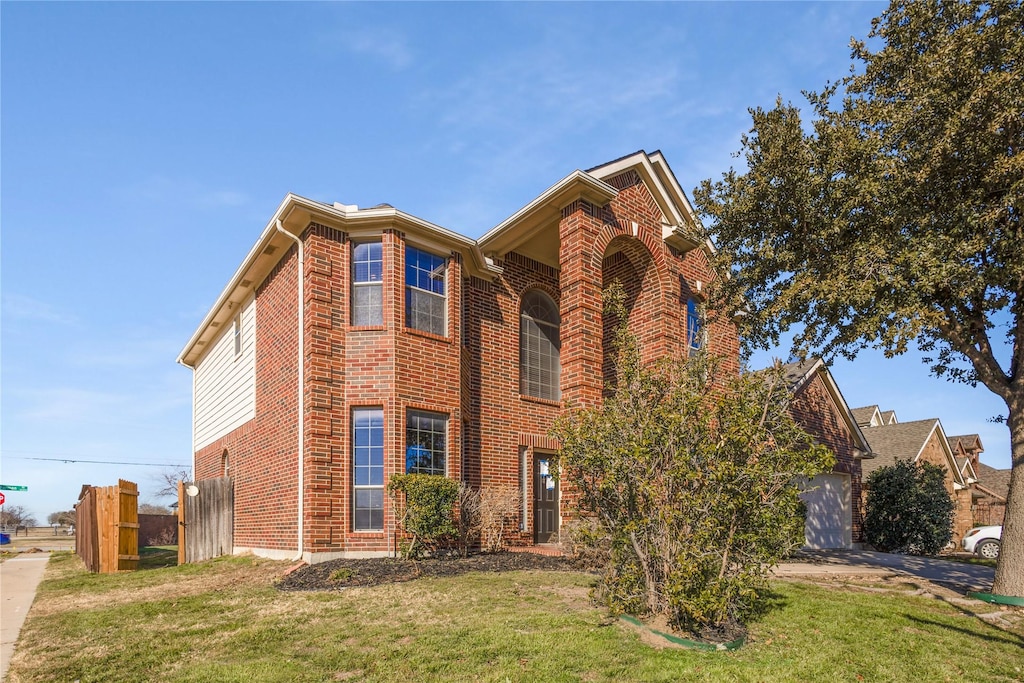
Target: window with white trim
425, 300
367, 288
539, 347
426, 442
368, 469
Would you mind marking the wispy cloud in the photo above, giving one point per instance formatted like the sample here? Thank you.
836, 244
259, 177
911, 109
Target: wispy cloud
180, 192
386, 45
22, 308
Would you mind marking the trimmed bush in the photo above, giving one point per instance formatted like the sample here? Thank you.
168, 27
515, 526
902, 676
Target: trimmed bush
909, 509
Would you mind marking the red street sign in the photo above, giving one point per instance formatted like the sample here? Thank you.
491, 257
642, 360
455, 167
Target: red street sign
1, 499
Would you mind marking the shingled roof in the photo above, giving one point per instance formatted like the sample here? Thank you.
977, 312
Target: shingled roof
863, 415
900, 441
993, 481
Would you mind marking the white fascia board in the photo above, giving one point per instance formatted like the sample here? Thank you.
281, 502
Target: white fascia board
337, 215
851, 423
642, 164
591, 187
958, 477
265, 237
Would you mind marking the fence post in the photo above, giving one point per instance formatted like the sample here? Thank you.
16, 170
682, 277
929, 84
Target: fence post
181, 522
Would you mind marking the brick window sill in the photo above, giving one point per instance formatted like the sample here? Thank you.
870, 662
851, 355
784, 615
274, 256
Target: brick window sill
428, 335
541, 401
366, 328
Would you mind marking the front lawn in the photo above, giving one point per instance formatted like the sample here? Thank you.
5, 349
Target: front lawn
225, 621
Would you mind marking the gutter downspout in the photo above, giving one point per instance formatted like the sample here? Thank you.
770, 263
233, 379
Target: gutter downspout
302, 374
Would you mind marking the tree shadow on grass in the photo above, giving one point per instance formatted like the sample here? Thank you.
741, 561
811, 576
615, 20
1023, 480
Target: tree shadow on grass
1009, 639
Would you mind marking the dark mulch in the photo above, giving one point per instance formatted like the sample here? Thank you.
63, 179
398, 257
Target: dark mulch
339, 574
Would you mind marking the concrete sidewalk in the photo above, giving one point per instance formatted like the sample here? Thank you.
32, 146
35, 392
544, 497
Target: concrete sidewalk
957, 576
19, 578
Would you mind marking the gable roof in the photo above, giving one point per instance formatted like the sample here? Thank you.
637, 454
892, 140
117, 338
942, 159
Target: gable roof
970, 442
529, 230
533, 229
906, 441
798, 374
867, 415
994, 482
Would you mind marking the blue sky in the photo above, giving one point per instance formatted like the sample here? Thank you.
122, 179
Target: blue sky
145, 145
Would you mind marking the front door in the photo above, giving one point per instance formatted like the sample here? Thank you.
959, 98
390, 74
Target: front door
545, 499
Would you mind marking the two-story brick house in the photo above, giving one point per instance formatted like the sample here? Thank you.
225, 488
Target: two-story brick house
352, 344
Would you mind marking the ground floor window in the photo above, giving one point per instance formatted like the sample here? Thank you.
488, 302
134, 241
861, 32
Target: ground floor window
368, 468
425, 442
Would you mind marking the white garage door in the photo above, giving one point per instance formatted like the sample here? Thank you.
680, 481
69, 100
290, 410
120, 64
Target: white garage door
829, 518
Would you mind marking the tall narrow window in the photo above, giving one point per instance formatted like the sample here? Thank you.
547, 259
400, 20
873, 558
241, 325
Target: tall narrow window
367, 275
425, 442
539, 347
694, 326
425, 300
368, 468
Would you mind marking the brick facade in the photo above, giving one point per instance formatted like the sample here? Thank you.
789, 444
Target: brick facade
816, 411
470, 375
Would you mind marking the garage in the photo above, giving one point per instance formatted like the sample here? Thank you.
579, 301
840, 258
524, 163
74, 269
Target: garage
829, 515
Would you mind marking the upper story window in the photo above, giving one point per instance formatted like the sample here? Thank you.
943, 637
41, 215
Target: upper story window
426, 439
539, 347
694, 326
367, 276
425, 301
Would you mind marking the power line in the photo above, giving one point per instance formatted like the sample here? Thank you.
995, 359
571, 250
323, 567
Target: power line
101, 462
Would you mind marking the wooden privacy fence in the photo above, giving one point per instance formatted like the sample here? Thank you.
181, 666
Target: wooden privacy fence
206, 517
107, 527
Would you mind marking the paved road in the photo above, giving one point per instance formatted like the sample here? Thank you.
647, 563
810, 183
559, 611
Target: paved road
19, 577
959, 576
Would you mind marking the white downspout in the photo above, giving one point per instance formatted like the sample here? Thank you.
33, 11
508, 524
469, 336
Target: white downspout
302, 374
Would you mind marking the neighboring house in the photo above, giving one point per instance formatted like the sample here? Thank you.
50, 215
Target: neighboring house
991, 490
920, 440
352, 344
834, 509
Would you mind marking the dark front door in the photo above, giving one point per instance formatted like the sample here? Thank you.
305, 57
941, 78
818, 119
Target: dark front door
545, 499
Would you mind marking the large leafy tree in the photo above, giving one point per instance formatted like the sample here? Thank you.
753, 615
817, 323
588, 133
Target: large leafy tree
896, 217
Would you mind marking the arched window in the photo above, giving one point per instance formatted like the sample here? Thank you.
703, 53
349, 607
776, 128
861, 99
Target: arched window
539, 345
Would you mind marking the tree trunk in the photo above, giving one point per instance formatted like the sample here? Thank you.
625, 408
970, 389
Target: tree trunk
1010, 569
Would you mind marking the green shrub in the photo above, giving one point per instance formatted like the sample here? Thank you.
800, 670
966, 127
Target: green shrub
428, 514
909, 509
693, 475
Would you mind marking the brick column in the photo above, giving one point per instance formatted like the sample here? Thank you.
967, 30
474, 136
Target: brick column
326, 470
580, 305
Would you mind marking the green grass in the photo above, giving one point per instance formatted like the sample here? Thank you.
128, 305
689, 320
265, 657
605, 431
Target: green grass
158, 557
224, 621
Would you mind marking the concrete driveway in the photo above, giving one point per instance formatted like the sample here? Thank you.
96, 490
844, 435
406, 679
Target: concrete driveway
957, 576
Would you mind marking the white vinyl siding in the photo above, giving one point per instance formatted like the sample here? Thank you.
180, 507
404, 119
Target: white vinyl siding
225, 383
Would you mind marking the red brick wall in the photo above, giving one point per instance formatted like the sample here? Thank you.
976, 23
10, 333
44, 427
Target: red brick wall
816, 412
934, 453
262, 453
470, 375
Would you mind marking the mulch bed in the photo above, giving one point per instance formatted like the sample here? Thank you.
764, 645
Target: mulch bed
340, 574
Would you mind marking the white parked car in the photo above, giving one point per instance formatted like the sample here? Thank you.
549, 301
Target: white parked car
983, 541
